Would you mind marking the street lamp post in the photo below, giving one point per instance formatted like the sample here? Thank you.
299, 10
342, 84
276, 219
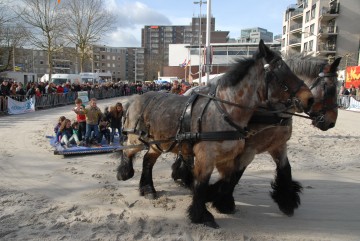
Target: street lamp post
208, 47
200, 67
135, 65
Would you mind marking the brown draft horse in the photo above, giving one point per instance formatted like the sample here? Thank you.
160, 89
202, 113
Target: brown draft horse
272, 131
212, 127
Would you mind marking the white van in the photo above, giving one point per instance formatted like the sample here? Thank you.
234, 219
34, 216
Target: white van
59, 79
94, 78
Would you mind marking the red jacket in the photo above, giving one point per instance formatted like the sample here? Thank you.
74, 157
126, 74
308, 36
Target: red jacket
60, 89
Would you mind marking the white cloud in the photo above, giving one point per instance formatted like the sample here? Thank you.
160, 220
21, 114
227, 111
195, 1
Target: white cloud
130, 18
122, 38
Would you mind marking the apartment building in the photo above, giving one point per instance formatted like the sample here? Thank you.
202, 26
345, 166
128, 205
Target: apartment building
122, 63
324, 28
156, 39
253, 35
110, 60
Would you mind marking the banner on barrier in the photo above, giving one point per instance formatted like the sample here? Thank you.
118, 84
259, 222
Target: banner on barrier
17, 107
83, 95
354, 105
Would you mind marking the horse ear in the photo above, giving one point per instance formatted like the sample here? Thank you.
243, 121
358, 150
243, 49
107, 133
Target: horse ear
263, 49
334, 65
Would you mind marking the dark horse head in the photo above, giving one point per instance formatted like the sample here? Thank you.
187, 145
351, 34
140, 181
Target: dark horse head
281, 86
321, 77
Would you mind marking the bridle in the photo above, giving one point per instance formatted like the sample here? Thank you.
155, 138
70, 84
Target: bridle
320, 116
271, 71
270, 74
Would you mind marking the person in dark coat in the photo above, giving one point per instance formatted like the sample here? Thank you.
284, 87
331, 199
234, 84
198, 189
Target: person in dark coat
114, 115
5, 88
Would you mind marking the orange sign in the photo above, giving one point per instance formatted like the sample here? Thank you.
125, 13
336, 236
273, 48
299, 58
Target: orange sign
352, 76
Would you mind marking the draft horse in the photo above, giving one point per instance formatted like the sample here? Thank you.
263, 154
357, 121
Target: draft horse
212, 127
271, 131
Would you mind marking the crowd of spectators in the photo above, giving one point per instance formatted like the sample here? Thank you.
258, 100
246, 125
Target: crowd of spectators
40, 90
345, 94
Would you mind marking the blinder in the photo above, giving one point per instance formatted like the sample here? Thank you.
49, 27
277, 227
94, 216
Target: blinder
271, 70
320, 79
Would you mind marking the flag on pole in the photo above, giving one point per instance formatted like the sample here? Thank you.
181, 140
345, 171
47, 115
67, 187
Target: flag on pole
184, 63
188, 63
59, 1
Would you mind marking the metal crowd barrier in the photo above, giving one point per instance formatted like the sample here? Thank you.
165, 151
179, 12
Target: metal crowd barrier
343, 101
58, 99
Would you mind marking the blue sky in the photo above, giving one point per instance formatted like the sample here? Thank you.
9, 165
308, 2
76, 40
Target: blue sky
230, 15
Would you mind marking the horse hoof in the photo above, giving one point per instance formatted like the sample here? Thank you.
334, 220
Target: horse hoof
148, 192
225, 205
287, 212
211, 224
150, 196
124, 174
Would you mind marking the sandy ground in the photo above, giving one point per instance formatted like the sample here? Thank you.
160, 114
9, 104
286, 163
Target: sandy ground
51, 197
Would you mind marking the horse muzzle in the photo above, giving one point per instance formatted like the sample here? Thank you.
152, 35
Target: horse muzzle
322, 121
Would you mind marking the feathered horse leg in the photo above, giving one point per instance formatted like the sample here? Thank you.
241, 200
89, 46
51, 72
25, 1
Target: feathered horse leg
285, 191
182, 169
146, 185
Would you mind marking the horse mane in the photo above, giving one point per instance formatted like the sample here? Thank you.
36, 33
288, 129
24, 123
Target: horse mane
305, 65
236, 72
241, 67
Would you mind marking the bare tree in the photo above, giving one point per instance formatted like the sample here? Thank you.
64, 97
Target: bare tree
86, 22
12, 37
45, 19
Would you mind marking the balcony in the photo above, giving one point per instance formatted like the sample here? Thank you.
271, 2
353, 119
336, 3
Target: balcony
295, 27
297, 13
295, 41
326, 32
326, 48
327, 14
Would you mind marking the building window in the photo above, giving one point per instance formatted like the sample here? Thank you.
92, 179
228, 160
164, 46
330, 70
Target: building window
305, 47
113, 65
312, 28
313, 8
284, 29
311, 45
108, 65
113, 57
102, 56
41, 62
307, 17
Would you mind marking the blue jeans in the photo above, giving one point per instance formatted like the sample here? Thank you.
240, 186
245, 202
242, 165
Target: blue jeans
113, 130
89, 129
